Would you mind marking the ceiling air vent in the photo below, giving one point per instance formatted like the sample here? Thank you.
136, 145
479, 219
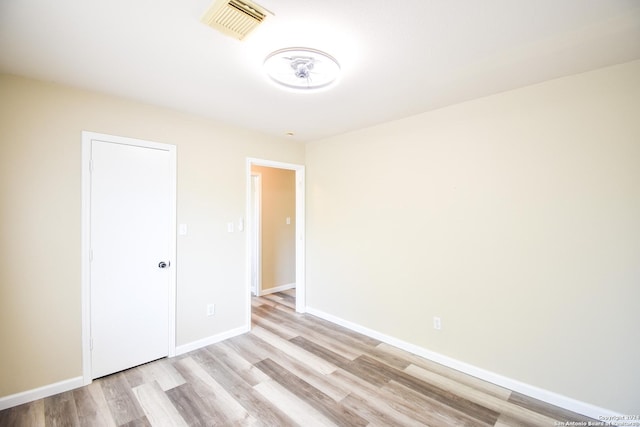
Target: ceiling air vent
235, 18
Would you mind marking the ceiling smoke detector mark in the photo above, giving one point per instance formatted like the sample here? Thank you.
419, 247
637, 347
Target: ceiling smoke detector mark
235, 18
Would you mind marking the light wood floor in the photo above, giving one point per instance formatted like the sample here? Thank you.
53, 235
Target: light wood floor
290, 370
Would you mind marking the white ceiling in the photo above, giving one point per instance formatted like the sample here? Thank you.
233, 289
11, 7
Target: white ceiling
398, 57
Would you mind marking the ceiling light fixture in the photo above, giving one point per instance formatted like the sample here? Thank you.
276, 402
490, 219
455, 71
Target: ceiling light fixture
301, 68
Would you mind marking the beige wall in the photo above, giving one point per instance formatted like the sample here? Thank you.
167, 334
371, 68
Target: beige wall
515, 218
40, 164
278, 237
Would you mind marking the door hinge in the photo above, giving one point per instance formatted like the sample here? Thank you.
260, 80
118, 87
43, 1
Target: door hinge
91, 344
90, 165
90, 255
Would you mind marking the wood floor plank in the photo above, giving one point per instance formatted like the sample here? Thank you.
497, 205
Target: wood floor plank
235, 361
281, 299
376, 402
161, 371
92, 406
255, 404
442, 370
431, 391
506, 421
320, 351
254, 348
273, 303
26, 415
138, 422
257, 302
122, 403
246, 345
291, 292
60, 410
157, 406
293, 350
296, 328
511, 411
375, 414
135, 376
278, 328
300, 413
193, 409
546, 409
339, 333
341, 347
311, 395
387, 358
367, 372
432, 412
226, 408
295, 366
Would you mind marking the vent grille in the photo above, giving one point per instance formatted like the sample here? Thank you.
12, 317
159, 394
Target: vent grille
235, 18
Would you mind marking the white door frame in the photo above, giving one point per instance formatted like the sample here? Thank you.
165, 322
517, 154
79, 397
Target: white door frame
87, 137
255, 233
300, 231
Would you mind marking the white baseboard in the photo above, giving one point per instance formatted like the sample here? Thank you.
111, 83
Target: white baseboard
195, 345
40, 392
556, 399
277, 289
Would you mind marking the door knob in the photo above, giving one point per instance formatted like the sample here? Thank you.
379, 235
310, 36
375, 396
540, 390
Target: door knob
164, 264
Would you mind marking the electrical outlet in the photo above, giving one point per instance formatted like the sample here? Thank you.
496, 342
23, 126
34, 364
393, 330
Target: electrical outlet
211, 309
437, 323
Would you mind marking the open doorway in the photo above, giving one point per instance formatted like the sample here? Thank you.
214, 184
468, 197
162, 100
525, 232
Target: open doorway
273, 239
275, 232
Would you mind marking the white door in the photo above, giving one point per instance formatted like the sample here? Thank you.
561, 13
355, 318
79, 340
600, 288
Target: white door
130, 237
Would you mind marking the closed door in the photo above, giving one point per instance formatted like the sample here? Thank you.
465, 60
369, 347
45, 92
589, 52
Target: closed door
130, 226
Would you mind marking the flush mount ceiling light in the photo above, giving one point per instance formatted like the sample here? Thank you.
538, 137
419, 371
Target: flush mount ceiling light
301, 68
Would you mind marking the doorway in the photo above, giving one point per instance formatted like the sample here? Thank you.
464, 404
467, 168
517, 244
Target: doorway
128, 277
295, 222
